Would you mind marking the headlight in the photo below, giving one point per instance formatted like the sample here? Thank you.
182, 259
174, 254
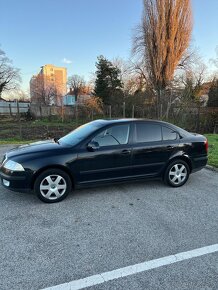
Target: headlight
13, 166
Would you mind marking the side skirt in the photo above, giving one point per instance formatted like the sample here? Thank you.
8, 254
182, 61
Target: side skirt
111, 181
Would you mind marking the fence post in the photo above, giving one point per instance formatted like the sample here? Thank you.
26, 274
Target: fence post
161, 111
10, 109
133, 111
198, 119
109, 111
62, 114
20, 131
47, 131
76, 114
124, 109
18, 111
49, 113
40, 111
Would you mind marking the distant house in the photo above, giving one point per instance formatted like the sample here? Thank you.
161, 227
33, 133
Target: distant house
204, 93
69, 99
83, 98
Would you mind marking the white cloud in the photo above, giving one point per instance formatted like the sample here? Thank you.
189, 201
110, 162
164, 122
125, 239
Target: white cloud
67, 61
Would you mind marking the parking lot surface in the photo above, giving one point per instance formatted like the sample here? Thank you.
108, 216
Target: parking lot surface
106, 228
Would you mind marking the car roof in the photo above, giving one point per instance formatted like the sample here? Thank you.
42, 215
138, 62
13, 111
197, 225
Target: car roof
104, 122
125, 120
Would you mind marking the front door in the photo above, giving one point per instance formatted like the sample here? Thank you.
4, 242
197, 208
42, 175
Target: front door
111, 161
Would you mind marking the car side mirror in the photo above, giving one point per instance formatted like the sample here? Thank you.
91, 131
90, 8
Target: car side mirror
92, 146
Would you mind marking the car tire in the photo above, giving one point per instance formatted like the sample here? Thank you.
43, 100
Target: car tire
176, 173
52, 185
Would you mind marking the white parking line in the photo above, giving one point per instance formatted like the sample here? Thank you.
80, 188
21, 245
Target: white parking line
134, 269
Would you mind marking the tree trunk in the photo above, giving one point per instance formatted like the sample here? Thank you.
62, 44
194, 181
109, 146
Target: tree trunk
158, 103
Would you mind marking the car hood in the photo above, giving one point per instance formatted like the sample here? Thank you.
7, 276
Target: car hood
36, 147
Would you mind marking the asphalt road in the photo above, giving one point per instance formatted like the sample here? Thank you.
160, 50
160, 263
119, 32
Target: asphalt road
102, 229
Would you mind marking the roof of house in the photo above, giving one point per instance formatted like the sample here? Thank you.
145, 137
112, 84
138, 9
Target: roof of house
70, 93
205, 87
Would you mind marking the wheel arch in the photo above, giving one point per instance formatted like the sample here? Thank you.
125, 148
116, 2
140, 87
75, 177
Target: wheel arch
180, 157
56, 166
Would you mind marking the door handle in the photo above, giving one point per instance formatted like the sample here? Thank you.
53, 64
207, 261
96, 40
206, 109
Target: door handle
125, 152
169, 147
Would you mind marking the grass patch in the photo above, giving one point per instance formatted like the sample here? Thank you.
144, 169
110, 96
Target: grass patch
213, 149
12, 141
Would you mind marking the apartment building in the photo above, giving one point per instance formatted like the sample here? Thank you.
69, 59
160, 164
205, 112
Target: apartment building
49, 85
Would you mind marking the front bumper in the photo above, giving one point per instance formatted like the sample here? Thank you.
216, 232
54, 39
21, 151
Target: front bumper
19, 182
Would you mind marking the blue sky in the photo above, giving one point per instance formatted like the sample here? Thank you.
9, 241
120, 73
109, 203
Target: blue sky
34, 33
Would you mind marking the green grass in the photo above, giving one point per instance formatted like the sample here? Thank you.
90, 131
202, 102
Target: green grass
213, 149
18, 141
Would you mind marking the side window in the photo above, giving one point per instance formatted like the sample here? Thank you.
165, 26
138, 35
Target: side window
146, 132
169, 134
114, 135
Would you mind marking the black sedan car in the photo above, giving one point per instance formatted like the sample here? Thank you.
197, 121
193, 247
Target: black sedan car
104, 152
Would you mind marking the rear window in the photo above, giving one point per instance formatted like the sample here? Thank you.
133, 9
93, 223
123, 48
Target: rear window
148, 132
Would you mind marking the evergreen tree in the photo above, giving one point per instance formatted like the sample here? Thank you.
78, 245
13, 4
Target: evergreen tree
108, 85
213, 95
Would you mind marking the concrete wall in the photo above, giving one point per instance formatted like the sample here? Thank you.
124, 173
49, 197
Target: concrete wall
45, 111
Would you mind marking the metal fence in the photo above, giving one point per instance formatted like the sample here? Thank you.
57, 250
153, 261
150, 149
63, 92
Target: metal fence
13, 108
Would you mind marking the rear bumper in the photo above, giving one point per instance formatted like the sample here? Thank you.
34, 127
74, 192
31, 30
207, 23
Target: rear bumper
198, 163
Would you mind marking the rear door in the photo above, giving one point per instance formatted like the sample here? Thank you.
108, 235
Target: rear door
150, 151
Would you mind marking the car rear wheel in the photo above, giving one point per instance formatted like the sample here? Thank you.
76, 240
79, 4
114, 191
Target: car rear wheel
177, 173
52, 185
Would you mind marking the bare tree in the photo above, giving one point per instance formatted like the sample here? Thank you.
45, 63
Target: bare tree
77, 83
123, 66
162, 39
9, 76
193, 81
214, 61
43, 91
19, 95
132, 76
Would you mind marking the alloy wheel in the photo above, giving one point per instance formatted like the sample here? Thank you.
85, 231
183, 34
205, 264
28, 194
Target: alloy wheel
177, 174
53, 187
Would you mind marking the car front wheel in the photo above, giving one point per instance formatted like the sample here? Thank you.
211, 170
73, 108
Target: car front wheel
177, 173
52, 185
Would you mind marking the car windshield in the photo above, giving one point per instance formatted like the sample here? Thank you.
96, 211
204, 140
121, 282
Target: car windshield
77, 135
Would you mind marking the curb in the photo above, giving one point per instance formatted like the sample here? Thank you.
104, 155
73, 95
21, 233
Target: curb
211, 168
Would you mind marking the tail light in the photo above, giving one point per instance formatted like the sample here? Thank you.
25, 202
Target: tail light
206, 145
